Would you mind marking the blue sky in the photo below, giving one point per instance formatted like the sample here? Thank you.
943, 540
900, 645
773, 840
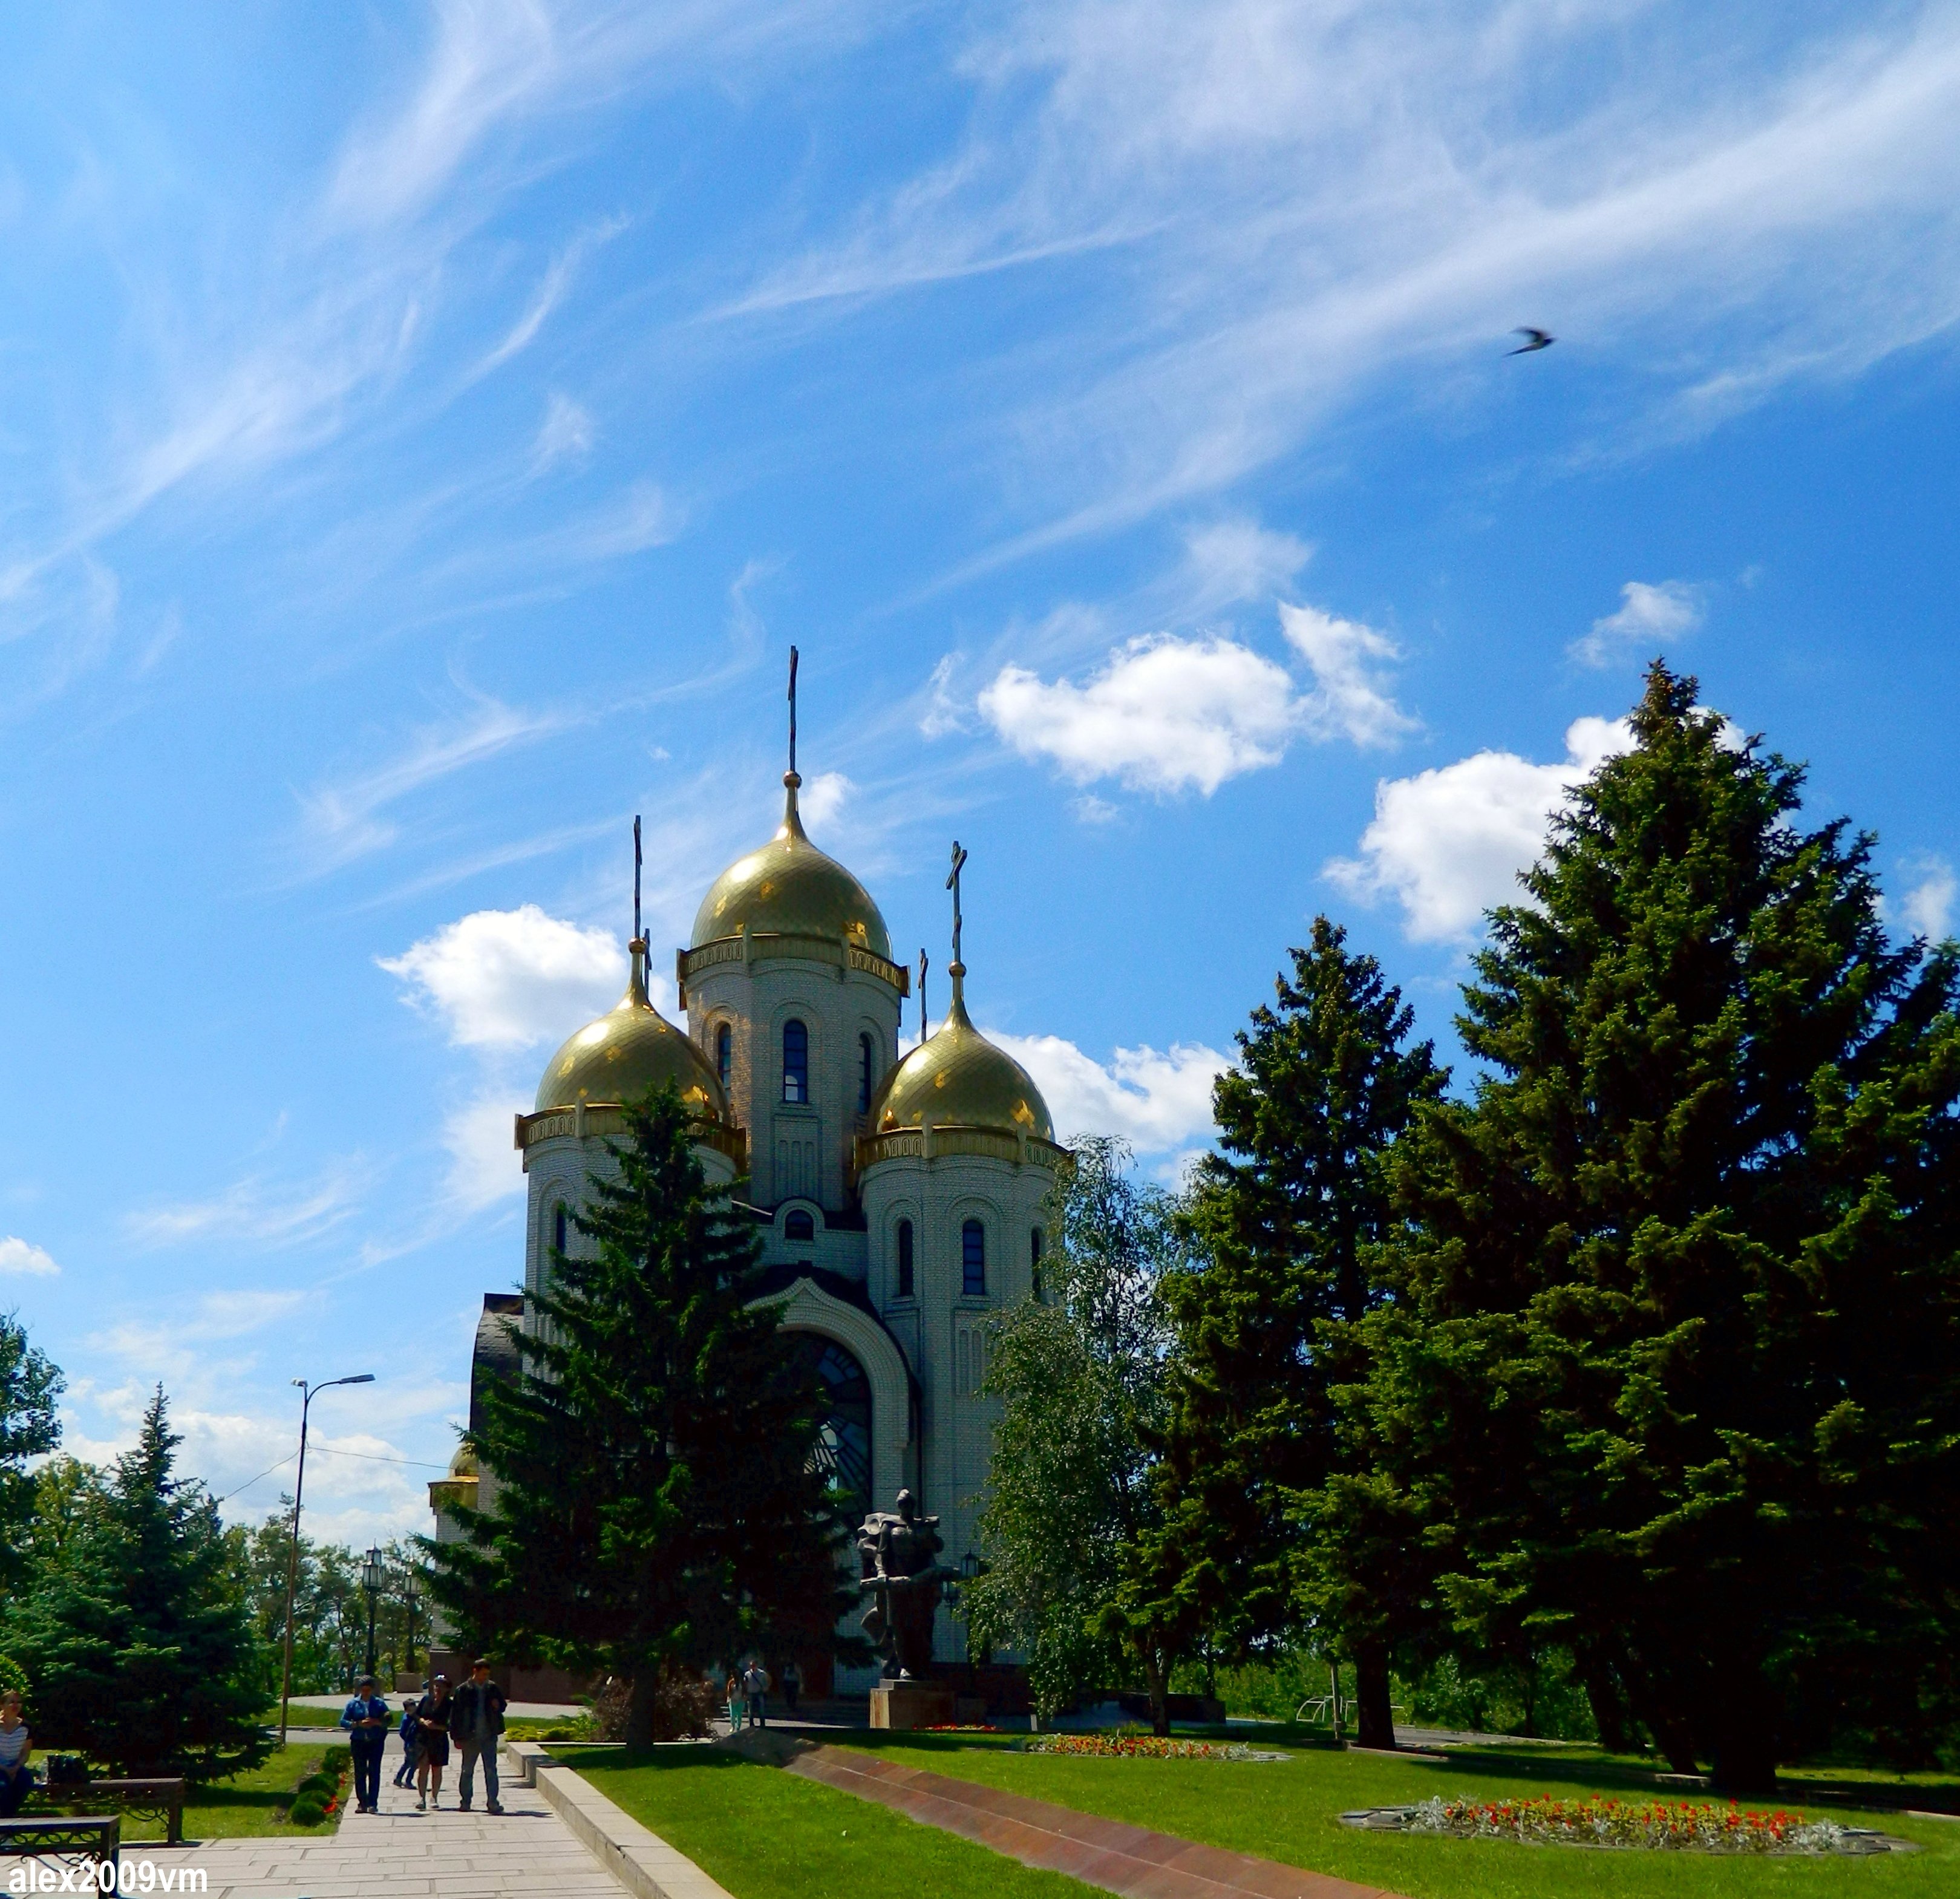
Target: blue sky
426, 429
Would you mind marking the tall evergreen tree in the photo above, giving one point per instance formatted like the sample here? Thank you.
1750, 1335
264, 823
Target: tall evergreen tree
138, 1645
1676, 1358
30, 1429
1262, 1470
656, 1506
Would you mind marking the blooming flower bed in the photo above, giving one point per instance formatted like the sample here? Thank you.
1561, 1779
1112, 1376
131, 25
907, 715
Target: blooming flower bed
1656, 1825
959, 1727
1141, 1747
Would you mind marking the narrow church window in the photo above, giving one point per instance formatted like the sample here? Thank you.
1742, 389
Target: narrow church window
557, 1227
863, 1074
796, 1062
799, 1226
724, 1053
904, 1259
1034, 1259
973, 1259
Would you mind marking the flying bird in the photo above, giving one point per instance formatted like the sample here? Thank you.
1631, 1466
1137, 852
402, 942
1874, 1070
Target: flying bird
1533, 339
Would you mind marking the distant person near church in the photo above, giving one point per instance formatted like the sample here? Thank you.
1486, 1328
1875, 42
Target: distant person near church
791, 1680
755, 1686
405, 1775
17, 1778
476, 1720
366, 1718
732, 1692
431, 1744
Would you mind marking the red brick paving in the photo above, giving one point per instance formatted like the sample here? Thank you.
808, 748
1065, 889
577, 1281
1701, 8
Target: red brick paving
1130, 1860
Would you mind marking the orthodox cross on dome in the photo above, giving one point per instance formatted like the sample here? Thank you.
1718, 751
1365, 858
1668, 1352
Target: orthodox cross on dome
924, 960
956, 968
793, 674
639, 935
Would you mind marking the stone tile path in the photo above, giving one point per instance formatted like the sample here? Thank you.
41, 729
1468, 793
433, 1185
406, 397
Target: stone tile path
399, 1853
1131, 1860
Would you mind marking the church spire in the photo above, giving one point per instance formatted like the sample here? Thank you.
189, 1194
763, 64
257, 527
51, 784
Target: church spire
792, 819
956, 969
636, 982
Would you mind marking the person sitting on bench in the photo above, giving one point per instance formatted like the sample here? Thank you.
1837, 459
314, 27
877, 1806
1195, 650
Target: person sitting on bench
17, 1778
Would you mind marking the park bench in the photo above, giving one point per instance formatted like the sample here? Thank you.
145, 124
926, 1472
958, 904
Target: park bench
83, 1842
161, 1799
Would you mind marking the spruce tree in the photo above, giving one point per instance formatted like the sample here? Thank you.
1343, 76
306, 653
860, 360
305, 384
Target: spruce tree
138, 1645
1672, 1372
1275, 1514
656, 1508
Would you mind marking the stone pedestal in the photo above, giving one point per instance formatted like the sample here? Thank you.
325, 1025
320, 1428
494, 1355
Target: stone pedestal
911, 1704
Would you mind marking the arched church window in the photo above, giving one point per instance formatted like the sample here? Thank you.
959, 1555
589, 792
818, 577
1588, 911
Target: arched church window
864, 1061
843, 1451
904, 1259
796, 1062
1035, 1259
973, 1259
724, 1053
799, 1226
557, 1227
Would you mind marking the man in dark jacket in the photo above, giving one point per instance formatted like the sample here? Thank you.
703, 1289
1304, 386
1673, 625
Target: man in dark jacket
476, 1720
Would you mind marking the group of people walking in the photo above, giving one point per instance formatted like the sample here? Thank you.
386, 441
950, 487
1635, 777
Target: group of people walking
468, 1718
747, 1692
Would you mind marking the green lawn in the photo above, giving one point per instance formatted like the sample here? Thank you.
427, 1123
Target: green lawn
253, 1802
1289, 1812
765, 1834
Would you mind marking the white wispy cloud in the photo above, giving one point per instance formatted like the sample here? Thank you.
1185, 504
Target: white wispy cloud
1648, 617
510, 979
23, 1256
484, 1164
1159, 1101
1349, 699
823, 797
1927, 908
566, 432
253, 1210
1448, 843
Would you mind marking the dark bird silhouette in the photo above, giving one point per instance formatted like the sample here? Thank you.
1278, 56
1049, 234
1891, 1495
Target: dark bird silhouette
1533, 339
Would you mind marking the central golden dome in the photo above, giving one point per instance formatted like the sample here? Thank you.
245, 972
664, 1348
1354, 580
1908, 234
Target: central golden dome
957, 1078
630, 1048
790, 888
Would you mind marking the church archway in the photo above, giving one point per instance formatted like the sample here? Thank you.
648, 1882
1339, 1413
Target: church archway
843, 1446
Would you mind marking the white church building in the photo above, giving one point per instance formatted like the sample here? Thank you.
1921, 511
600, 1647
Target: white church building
898, 1194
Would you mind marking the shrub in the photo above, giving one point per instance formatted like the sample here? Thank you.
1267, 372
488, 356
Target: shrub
13, 1676
309, 1810
683, 1706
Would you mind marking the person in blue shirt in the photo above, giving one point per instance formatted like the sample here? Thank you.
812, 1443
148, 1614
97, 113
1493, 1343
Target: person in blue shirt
367, 1718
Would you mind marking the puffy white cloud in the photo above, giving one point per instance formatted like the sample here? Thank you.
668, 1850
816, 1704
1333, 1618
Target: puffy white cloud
22, 1256
483, 1166
1649, 615
511, 978
1448, 843
1160, 1102
1927, 909
1164, 714
1347, 700
822, 797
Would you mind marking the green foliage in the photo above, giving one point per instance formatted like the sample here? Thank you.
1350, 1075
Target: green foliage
1070, 1506
30, 1429
308, 1809
1536, 1693
13, 1677
657, 1507
1672, 1376
138, 1643
1278, 1520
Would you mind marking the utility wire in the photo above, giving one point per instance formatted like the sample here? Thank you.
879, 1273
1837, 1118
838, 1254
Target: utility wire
244, 1488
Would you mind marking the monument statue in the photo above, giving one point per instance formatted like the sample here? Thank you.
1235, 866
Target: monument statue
902, 1575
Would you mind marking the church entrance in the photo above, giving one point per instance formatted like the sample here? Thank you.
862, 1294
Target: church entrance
843, 1451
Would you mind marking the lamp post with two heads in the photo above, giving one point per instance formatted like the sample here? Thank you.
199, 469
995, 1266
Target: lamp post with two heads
307, 1394
374, 1575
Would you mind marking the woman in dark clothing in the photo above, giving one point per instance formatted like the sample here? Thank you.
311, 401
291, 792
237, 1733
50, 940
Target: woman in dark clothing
432, 1743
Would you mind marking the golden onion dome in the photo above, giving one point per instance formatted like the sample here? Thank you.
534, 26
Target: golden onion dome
630, 1048
463, 1464
957, 1078
790, 888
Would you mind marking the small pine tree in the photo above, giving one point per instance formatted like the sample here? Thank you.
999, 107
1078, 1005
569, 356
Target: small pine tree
656, 1508
1286, 1217
138, 1644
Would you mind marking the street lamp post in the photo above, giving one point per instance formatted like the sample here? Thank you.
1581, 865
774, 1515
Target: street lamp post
372, 1577
412, 1600
307, 1394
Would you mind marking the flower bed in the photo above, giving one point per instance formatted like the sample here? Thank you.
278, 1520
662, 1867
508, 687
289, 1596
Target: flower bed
1654, 1826
959, 1727
1141, 1747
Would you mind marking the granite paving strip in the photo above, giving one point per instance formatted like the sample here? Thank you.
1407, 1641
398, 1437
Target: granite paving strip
1119, 1858
400, 1853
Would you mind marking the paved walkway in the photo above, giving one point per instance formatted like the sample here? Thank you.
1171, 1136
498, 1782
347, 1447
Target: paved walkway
399, 1853
1121, 1859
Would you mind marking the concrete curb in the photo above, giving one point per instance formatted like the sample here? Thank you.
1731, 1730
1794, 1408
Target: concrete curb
635, 1855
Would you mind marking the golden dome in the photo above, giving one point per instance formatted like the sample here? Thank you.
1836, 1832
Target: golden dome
789, 887
463, 1464
959, 1078
626, 1051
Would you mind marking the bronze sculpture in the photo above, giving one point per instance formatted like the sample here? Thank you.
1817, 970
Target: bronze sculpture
899, 1552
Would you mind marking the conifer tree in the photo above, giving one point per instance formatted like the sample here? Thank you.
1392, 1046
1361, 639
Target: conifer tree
138, 1645
655, 1507
1261, 1471
30, 1429
1672, 1367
